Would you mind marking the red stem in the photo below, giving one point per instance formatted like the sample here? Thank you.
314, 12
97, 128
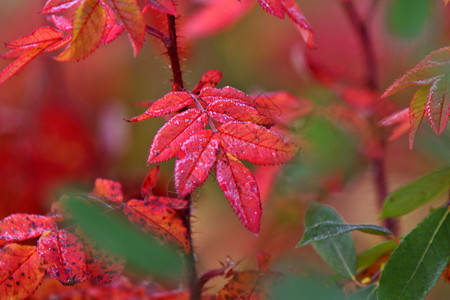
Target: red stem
172, 51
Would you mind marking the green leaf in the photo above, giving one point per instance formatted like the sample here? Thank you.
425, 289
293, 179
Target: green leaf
338, 252
416, 194
406, 18
366, 258
120, 236
328, 229
418, 261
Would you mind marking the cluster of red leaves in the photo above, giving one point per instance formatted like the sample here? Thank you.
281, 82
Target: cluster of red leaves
70, 257
432, 99
239, 130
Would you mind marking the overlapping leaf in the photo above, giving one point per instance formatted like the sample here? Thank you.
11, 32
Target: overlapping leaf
171, 102
20, 271
195, 160
62, 255
241, 190
209, 79
433, 97
174, 133
20, 227
226, 110
213, 94
160, 217
57, 6
149, 182
256, 144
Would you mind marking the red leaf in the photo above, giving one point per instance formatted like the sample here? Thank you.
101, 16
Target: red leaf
224, 111
20, 271
111, 190
417, 109
36, 38
164, 6
295, 14
20, 227
171, 102
160, 217
112, 29
57, 6
150, 182
212, 94
62, 255
273, 7
397, 117
102, 265
59, 44
195, 160
88, 27
438, 104
171, 136
209, 79
61, 22
241, 190
256, 144
133, 20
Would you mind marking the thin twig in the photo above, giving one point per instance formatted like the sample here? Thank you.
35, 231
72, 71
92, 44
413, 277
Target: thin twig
158, 34
172, 51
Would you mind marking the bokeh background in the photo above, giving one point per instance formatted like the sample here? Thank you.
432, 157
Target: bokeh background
61, 124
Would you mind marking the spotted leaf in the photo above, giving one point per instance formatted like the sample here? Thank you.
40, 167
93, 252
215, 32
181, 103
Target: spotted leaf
20, 227
108, 189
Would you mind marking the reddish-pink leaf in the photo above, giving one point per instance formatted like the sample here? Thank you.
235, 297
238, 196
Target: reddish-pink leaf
36, 38
281, 106
212, 94
214, 16
256, 144
164, 6
171, 102
209, 79
160, 217
295, 14
149, 182
417, 110
88, 27
426, 72
112, 29
60, 22
59, 44
195, 160
438, 105
241, 190
395, 118
20, 227
111, 190
20, 271
102, 265
273, 7
174, 133
62, 255
57, 6
132, 19
224, 111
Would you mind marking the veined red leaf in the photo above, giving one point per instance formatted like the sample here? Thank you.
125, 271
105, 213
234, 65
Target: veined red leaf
395, 118
209, 79
20, 271
20, 227
273, 7
102, 265
59, 44
57, 6
60, 22
295, 14
256, 144
62, 255
195, 160
417, 110
426, 72
164, 6
36, 38
112, 29
88, 27
240, 188
171, 102
225, 110
212, 94
174, 133
438, 104
16, 66
160, 220
111, 190
149, 182
133, 20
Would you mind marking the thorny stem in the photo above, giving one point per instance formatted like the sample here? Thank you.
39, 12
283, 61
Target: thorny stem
378, 162
171, 44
